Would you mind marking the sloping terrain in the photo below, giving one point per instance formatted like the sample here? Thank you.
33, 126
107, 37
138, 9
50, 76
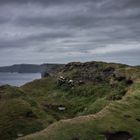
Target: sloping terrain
18, 114
83, 101
119, 120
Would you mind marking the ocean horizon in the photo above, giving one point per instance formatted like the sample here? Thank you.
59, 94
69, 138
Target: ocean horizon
17, 79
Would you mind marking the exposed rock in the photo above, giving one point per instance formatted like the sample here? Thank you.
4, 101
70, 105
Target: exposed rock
30, 114
121, 135
61, 108
95, 72
120, 78
129, 82
123, 78
108, 71
80, 82
68, 83
45, 74
20, 135
61, 81
138, 119
51, 70
127, 116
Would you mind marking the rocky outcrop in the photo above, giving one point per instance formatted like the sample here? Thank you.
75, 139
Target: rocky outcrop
95, 72
52, 70
68, 83
122, 135
45, 74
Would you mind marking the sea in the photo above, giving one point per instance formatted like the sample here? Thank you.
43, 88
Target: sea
17, 79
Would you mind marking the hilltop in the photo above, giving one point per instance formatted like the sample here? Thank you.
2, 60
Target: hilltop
29, 68
80, 101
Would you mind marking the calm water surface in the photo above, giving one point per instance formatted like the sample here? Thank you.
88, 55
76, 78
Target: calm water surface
18, 79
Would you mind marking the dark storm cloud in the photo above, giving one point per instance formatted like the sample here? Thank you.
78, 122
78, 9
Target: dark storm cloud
70, 29
45, 2
37, 38
3, 20
132, 3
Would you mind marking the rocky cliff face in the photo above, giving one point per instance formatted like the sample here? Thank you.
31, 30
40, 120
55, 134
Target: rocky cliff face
49, 70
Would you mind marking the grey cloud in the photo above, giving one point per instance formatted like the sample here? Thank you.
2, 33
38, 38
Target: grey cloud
47, 36
4, 20
133, 4
27, 41
44, 2
69, 27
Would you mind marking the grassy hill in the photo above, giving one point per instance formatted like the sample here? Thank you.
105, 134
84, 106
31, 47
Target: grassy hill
82, 101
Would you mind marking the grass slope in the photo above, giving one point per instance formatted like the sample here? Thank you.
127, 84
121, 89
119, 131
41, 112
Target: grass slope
103, 98
118, 116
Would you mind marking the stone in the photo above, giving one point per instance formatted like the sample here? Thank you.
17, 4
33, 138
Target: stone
61, 108
20, 135
121, 135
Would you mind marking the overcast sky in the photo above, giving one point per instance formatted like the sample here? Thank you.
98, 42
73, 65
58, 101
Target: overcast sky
60, 31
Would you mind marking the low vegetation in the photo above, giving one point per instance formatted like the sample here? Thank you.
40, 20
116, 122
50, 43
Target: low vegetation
82, 101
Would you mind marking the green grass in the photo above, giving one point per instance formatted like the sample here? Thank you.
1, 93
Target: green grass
112, 119
34, 106
14, 119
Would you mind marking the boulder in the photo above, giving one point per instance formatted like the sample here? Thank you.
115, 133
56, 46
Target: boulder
45, 74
